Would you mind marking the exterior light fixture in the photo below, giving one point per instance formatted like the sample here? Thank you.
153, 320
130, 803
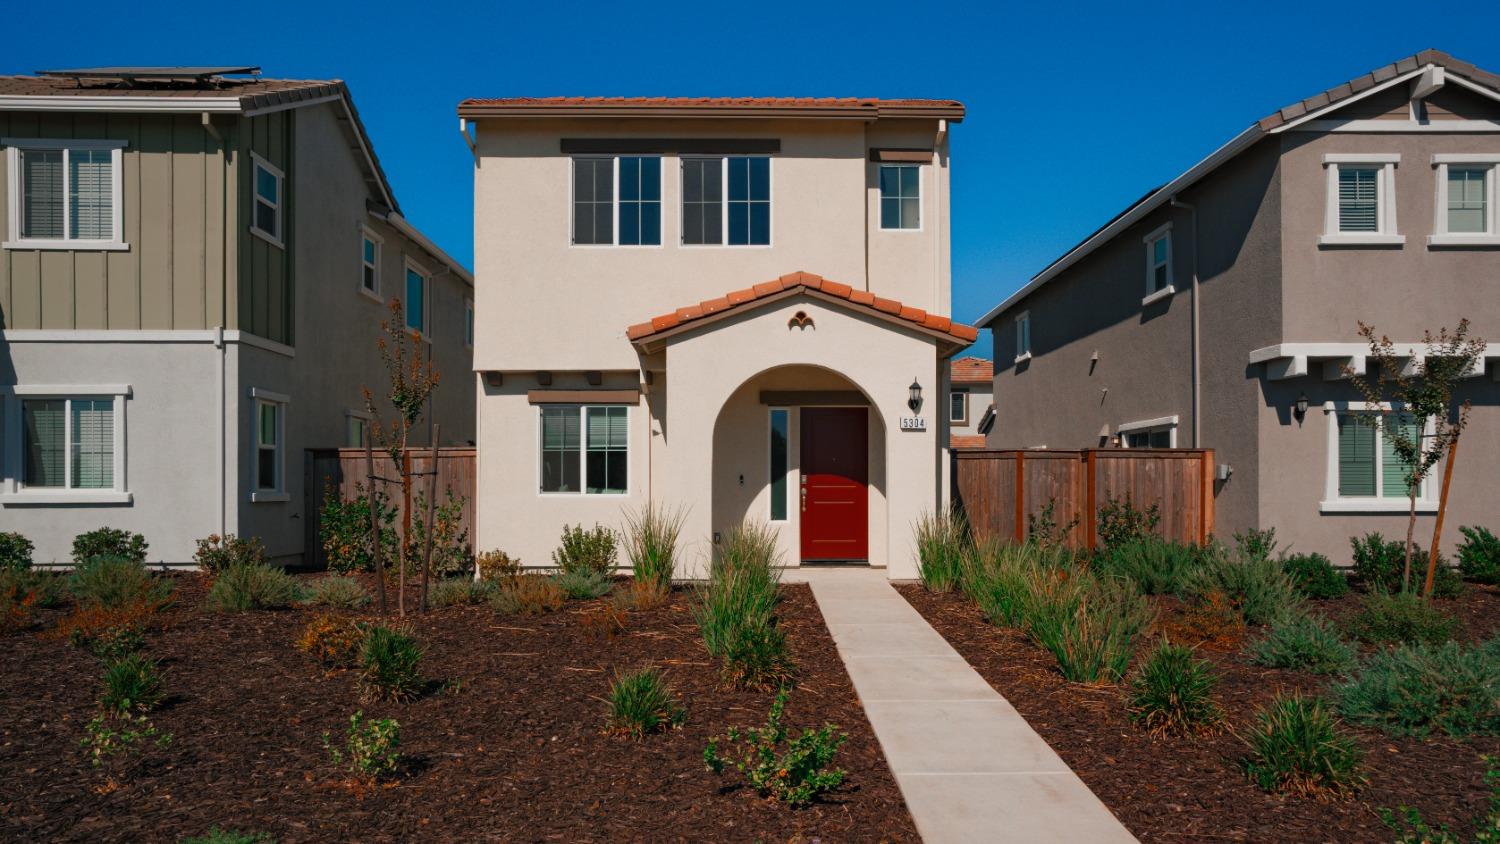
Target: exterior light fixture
914, 399
1300, 408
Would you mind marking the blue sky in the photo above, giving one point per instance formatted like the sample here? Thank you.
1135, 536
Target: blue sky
1075, 109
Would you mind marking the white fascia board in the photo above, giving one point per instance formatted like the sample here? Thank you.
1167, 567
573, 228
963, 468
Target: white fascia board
1478, 89
194, 105
1160, 422
1315, 114
1402, 126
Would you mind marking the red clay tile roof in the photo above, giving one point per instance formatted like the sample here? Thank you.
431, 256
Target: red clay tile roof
711, 107
971, 370
793, 282
965, 441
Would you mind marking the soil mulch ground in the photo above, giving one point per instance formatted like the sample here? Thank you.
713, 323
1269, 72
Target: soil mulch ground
512, 750
1192, 789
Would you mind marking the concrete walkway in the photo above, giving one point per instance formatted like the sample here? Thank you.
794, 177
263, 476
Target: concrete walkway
970, 767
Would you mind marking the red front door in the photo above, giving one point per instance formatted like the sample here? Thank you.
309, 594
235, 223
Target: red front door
835, 497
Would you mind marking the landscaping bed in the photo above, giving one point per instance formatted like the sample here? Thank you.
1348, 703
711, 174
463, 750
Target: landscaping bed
1192, 788
506, 744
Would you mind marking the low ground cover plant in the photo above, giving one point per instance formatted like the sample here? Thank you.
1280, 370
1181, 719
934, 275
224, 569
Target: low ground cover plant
585, 550
1305, 642
1120, 522
109, 542
219, 835
583, 584
1402, 617
1315, 577
1172, 692
334, 640
1297, 746
1479, 555
388, 665
528, 594
641, 702
1416, 690
1157, 566
1379, 564
461, 591
942, 539
253, 586
15, 551
1257, 585
217, 553
114, 582
114, 740
369, 749
337, 591
651, 537
1410, 828
132, 683
794, 771
736, 609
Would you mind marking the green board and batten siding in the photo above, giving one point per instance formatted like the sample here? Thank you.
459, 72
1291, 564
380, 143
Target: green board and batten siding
266, 292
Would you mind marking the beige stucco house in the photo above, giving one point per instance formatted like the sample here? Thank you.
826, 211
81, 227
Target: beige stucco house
736, 307
971, 391
192, 279
1221, 309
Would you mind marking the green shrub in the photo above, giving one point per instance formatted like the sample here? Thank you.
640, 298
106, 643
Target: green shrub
1410, 828
583, 584
1315, 577
1172, 692
1403, 617
344, 528
1378, 564
1090, 624
1121, 522
219, 835
217, 553
1157, 566
641, 702
794, 772
1257, 585
109, 542
736, 608
337, 591
253, 586
585, 550
452, 555
1305, 642
942, 539
116, 582
496, 566
370, 749
388, 663
651, 543
1478, 556
1256, 543
15, 551
1297, 746
528, 594
461, 591
132, 682
1415, 690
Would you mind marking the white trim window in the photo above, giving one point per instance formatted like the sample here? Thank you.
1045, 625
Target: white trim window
1361, 200
268, 445
780, 448
958, 406
901, 197
726, 200
64, 194
370, 245
617, 200
66, 444
1364, 472
1023, 336
267, 199
1159, 280
468, 323
1149, 433
584, 449
418, 297
1466, 194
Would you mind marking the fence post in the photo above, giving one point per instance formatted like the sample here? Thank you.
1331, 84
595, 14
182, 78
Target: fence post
1206, 458
1020, 497
1091, 515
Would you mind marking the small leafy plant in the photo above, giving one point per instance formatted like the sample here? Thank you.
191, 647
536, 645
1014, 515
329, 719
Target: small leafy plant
1172, 692
1297, 746
583, 584
528, 594
15, 551
1256, 543
333, 640
109, 542
794, 772
110, 738
496, 566
1315, 577
641, 702
1410, 828
1120, 521
1478, 555
253, 586
219, 835
1403, 617
370, 749
1305, 642
1416, 690
217, 553
337, 591
131, 683
1043, 528
942, 538
585, 550
388, 659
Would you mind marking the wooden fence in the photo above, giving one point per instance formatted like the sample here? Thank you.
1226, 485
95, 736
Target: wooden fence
344, 468
999, 490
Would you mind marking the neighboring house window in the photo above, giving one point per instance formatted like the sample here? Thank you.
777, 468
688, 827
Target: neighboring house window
958, 406
726, 201
585, 448
635, 220
369, 258
267, 481
1150, 433
1361, 199
64, 194
268, 186
354, 429
1368, 464
468, 323
1159, 262
416, 300
780, 461
1466, 200
69, 443
1023, 336
900, 196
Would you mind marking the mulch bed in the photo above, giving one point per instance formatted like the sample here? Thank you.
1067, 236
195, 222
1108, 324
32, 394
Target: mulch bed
1192, 789
513, 750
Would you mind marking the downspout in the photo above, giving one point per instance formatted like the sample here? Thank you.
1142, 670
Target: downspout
938, 157
223, 412
1194, 331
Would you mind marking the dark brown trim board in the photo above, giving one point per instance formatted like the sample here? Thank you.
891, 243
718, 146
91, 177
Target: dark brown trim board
902, 156
583, 396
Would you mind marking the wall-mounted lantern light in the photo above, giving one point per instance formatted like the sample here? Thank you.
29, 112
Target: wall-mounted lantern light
1300, 408
914, 397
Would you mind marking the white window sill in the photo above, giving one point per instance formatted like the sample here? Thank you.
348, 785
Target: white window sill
1440, 240
371, 295
67, 496
1158, 295
276, 242
1022, 358
1362, 240
1374, 505
68, 245
267, 496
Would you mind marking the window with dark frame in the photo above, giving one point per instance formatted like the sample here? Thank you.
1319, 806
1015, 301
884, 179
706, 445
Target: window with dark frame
593, 201
702, 201
640, 201
780, 459
585, 449
958, 406
749, 201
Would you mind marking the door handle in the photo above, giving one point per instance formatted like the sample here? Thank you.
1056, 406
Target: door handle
804, 499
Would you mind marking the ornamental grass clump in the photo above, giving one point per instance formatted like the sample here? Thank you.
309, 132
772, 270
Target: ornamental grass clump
1157, 566
998, 577
1257, 585
115, 582
1172, 692
942, 541
528, 594
1402, 617
584, 584
337, 591
794, 772
736, 609
1417, 690
651, 536
1305, 642
132, 683
388, 665
1315, 577
460, 591
1090, 624
253, 586
1297, 746
641, 702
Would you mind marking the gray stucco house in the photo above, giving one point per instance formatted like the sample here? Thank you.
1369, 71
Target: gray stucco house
1221, 309
192, 279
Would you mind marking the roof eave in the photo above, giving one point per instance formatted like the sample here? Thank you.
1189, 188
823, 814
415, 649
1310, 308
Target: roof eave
476, 110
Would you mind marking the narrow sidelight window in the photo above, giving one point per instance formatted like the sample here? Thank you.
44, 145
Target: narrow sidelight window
958, 407
779, 461
416, 301
369, 259
900, 196
607, 437
1023, 336
268, 200
268, 433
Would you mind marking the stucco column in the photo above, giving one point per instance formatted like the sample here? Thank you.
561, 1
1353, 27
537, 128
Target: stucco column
911, 477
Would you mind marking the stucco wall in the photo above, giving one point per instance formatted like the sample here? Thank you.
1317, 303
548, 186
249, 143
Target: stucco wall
977, 398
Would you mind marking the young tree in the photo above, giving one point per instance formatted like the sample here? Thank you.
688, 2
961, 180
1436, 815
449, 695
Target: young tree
1419, 390
412, 381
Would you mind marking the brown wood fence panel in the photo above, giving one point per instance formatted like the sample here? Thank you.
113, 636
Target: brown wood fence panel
1000, 490
344, 468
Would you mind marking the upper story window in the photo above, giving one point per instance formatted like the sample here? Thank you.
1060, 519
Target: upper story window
726, 201
1466, 195
64, 194
268, 184
1158, 263
958, 407
900, 196
1361, 202
1023, 336
369, 259
633, 220
415, 304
